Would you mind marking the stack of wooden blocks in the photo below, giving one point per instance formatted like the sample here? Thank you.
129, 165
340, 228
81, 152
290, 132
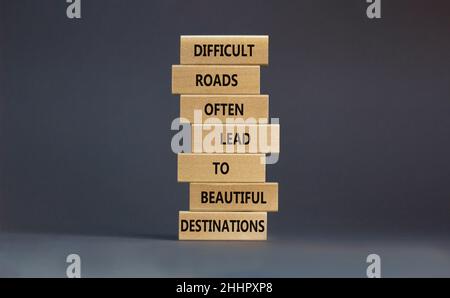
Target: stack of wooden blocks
218, 80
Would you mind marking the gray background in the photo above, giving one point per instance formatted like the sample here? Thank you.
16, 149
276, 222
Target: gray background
86, 107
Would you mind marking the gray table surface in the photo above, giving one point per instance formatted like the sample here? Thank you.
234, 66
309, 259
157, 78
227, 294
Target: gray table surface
44, 255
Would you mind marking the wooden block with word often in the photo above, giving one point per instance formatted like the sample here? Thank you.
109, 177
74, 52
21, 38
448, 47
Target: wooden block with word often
237, 108
221, 167
222, 225
233, 197
215, 79
235, 138
223, 49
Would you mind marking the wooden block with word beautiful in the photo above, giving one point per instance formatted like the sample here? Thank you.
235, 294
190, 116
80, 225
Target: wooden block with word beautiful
221, 167
223, 49
233, 197
237, 108
235, 138
215, 79
222, 225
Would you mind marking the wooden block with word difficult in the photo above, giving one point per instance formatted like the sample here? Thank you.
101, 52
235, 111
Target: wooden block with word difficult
221, 167
223, 49
233, 197
215, 79
222, 225
237, 108
235, 138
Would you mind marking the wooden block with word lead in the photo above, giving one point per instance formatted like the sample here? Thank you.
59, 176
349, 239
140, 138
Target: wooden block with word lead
221, 167
235, 138
223, 49
238, 108
215, 79
222, 225
233, 197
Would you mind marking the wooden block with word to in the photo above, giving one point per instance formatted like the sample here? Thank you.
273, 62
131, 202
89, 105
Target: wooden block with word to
238, 108
215, 79
222, 225
235, 138
223, 49
233, 197
221, 167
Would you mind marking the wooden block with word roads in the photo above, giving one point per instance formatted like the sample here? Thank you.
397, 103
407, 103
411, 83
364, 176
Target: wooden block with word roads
222, 225
238, 108
223, 49
221, 167
235, 138
215, 79
233, 197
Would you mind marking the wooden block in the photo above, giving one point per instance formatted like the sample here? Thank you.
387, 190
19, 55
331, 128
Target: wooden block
233, 197
235, 138
221, 167
215, 79
200, 49
222, 225
239, 108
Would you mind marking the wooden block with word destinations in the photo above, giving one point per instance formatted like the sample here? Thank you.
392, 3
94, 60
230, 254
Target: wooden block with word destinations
215, 79
222, 225
235, 138
238, 108
233, 197
221, 167
222, 49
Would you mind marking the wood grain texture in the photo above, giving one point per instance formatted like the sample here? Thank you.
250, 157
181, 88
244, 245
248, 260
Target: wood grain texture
235, 138
215, 79
240, 167
233, 197
222, 225
237, 108
223, 49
